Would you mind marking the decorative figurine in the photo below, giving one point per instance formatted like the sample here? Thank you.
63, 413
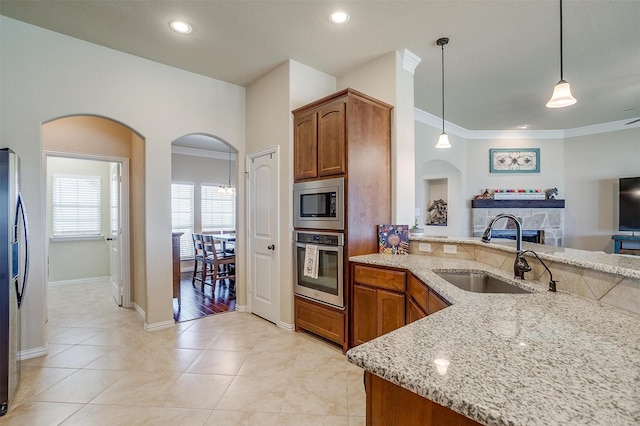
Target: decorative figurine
438, 212
486, 195
550, 194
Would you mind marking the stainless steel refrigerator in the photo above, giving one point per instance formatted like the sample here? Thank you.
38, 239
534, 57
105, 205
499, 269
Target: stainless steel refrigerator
14, 266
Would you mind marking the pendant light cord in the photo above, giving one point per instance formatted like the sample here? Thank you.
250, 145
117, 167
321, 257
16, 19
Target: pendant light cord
442, 48
561, 67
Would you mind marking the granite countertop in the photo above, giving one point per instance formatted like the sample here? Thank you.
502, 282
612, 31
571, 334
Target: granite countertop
512, 359
628, 266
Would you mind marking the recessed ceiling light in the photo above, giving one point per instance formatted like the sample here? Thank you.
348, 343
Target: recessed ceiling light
339, 17
523, 126
180, 27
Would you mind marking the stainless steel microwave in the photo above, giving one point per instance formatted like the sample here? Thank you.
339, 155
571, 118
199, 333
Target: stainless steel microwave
319, 204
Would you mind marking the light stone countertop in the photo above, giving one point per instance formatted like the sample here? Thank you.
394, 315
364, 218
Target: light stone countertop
627, 266
514, 359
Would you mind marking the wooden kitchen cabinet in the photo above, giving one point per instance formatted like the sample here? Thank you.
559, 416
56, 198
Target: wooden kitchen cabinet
328, 131
346, 134
320, 142
378, 302
389, 404
422, 300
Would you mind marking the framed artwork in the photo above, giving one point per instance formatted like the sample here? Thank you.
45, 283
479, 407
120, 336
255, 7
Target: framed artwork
393, 239
514, 160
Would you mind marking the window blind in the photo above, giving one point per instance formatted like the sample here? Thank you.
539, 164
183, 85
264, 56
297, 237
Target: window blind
218, 211
76, 206
182, 216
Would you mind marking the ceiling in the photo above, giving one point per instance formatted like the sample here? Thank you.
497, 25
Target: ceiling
501, 63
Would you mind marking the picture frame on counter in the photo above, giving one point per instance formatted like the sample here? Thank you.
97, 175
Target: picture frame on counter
514, 160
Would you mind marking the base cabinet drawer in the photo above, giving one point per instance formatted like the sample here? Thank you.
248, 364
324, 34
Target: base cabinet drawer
321, 320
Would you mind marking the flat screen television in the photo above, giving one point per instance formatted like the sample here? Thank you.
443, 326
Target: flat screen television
629, 218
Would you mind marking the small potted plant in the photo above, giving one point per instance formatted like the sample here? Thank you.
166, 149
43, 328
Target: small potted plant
415, 229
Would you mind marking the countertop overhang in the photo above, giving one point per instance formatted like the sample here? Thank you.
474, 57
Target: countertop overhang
513, 359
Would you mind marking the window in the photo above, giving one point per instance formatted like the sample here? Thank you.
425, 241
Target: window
218, 210
182, 216
76, 206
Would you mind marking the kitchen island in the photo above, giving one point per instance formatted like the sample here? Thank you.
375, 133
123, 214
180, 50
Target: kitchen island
514, 359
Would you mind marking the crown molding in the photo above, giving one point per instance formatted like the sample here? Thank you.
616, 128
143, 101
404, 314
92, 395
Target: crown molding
195, 152
453, 129
409, 60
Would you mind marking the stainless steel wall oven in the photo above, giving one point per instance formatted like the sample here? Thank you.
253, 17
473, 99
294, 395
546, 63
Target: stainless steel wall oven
328, 286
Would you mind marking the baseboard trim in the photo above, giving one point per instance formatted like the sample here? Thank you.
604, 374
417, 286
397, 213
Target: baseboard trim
159, 325
79, 281
33, 353
139, 310
286, 326
241, 308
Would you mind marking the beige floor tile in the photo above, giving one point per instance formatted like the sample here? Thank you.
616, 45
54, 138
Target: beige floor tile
248, 394
74, 335
118, 415
201, 391
312, 420
34, 380
81, 387
170, 359
121, 358
38, 413
357, 421
218, 362
268, 363
196, 339
241, 418
77, 356
316, 396
325, 365
137, 388
233, 368
53, 350
235, 341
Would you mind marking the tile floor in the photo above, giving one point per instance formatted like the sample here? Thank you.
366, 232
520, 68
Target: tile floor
231, 368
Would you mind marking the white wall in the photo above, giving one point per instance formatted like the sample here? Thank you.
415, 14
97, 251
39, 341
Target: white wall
270, 101
77, 259
592, 166
46, 75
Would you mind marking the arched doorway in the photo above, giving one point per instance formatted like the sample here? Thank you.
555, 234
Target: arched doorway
204, 172
84, 148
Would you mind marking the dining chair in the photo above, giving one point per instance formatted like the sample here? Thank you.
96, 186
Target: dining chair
221, 264
198, 256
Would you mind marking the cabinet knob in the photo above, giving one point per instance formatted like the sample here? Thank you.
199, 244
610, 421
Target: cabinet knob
271, 247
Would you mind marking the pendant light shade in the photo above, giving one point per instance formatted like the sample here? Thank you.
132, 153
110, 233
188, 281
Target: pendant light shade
561, 96
443, 140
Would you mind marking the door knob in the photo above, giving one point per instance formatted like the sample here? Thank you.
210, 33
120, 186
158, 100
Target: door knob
271, 247
110, 239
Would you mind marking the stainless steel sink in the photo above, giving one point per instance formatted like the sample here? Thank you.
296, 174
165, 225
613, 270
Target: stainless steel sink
479, 283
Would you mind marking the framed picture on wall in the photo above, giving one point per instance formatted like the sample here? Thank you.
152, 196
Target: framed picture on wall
514, 160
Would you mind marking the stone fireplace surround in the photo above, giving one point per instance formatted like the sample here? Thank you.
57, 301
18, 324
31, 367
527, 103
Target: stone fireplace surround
545, 215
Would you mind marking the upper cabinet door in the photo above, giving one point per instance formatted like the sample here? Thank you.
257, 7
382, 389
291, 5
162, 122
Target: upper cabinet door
332, 139
305, 146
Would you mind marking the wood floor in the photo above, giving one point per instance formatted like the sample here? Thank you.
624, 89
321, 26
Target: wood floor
198, 304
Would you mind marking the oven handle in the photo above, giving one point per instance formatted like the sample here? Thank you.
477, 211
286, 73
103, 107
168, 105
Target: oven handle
322, 247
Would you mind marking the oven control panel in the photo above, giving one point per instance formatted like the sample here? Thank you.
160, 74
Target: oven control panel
320, 238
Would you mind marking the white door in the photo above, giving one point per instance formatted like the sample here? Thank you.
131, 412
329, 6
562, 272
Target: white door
115, 231
263, 234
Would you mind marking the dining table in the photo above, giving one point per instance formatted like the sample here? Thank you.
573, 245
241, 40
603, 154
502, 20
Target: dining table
225, 238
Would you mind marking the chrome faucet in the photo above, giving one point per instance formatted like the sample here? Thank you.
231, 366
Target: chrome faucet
520, 265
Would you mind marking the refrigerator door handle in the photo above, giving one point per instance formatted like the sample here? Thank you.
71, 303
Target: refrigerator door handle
22, 213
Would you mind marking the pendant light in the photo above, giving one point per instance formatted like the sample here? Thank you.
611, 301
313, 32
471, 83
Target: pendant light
443, 140
562, 96
226, 188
